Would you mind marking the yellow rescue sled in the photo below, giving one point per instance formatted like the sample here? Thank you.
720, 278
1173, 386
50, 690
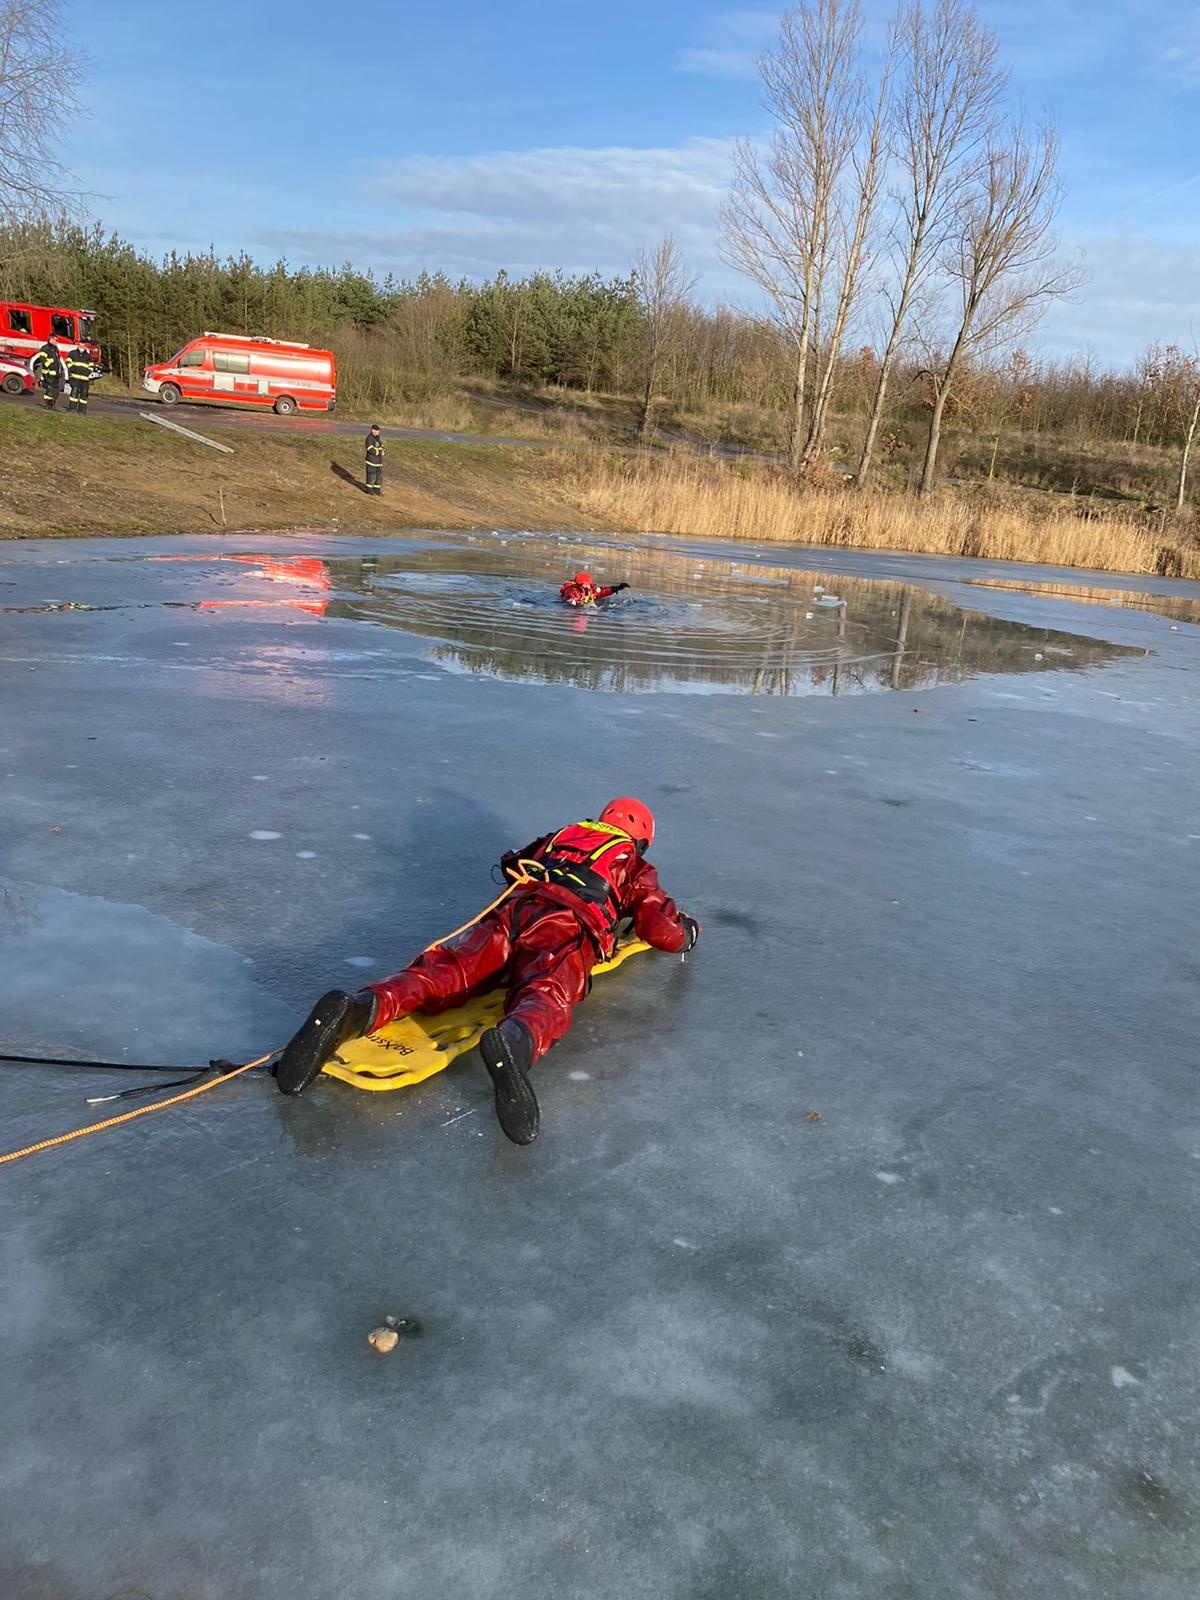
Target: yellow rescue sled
413, 1049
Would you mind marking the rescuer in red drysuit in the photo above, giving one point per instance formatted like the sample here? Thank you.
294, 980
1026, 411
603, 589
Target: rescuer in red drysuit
582, 590
541, 942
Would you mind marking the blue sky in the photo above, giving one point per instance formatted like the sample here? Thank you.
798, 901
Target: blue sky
473, 135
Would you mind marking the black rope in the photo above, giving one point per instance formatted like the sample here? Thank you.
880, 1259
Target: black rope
221, 1067
107, 1066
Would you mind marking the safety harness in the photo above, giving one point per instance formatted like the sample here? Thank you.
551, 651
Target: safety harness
583, 859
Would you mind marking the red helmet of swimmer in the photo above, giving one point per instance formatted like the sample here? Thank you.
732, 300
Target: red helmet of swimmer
632, 817
584, 580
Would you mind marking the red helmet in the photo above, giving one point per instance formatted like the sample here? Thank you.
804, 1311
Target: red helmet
635, 818
584, 580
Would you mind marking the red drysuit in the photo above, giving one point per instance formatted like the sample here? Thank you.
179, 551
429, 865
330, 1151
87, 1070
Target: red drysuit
544, 939
578, 594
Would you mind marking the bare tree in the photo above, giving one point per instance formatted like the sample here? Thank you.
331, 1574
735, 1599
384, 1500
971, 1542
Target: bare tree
1188, 412
1000, 258
663, 286
38, 75
852, 214
779, 221
951, 84
1188, 439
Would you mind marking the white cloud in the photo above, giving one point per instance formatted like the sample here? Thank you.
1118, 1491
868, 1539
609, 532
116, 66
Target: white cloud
1182, 55
717, 63
1139, 290
524, 210
730, 44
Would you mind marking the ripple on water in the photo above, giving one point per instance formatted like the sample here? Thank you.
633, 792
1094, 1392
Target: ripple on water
487, 606
493, 611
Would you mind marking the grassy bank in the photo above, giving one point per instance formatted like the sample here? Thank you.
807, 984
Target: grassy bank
62, 476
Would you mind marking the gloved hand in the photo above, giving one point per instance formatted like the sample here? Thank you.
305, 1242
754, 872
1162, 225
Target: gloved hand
691, 929
617, 587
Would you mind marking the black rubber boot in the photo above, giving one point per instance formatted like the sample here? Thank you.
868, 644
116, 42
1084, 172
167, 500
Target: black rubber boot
507, 1053
336, 1017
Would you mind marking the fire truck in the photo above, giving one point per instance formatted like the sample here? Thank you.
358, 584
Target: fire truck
24, 329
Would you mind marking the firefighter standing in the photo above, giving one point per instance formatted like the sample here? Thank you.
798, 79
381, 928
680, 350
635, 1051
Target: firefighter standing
80, 372
374, 460
46, 367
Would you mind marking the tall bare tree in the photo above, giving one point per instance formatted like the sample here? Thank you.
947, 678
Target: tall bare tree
1187, 416
999, 258
1189, 437
663, 286
38, 77
852, 215
950, 84
779, 222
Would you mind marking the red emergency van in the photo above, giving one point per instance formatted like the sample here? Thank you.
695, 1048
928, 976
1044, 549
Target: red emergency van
236, 369
25, 328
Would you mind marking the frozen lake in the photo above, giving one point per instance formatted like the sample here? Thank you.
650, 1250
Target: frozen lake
935, 1343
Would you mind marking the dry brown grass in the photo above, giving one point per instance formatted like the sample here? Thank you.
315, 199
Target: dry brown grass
66, 478
441, 413
710, 500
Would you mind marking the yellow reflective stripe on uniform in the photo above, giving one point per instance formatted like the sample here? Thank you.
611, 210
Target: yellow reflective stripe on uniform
614, 836
610, 844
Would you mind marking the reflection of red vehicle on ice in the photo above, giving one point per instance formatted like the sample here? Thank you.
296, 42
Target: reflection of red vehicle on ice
306, 572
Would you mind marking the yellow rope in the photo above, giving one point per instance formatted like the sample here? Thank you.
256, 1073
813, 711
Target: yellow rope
527, 870
526, 876
128, 1116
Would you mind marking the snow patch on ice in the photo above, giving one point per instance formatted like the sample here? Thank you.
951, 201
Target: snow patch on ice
265, 833
1122, 1378
888, 1177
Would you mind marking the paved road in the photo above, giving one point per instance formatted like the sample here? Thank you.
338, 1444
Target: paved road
212, 417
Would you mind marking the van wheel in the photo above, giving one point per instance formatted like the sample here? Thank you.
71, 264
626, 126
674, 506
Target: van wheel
13, 383
284, 406
168, 394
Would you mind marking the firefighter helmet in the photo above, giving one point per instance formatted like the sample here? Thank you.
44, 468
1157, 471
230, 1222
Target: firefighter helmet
635, 818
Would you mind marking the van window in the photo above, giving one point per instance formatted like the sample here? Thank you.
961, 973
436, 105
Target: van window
87, 326
62, 326
20, 322
227, 363
191, 358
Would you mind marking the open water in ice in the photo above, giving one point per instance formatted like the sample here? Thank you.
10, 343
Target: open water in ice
490, 607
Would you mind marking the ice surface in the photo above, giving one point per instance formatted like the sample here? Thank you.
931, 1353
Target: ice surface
691, 1345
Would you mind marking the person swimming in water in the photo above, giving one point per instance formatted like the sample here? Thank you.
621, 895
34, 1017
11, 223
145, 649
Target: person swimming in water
583, 590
